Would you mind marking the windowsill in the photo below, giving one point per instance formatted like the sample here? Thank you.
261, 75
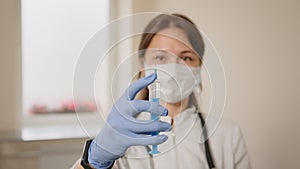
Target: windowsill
46, 133
56, 127
41, 133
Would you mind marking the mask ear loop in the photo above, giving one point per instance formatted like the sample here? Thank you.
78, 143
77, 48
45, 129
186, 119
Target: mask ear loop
196, 97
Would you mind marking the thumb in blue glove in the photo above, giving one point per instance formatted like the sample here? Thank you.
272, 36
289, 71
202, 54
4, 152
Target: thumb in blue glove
122, 130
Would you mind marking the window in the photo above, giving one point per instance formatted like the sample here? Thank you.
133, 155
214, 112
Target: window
53, 34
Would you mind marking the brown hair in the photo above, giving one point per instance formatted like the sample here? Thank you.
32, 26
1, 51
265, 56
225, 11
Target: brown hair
164, 21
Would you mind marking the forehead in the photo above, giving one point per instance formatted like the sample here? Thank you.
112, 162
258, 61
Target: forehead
172, 39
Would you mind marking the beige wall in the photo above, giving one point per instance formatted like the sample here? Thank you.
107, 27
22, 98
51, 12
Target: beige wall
258, 42
10, 64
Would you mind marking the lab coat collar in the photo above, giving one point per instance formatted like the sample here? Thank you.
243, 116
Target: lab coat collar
186, 115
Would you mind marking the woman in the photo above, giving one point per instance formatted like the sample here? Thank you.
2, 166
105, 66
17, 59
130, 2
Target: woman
173, 46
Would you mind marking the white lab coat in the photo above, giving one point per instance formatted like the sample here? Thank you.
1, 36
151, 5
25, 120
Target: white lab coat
184, 149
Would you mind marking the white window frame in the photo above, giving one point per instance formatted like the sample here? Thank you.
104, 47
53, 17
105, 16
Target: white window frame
55, 122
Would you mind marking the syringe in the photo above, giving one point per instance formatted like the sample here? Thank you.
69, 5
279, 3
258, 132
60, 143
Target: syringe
154, 96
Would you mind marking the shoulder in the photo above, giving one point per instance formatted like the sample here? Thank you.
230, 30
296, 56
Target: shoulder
222, 128
225, 135
228, 126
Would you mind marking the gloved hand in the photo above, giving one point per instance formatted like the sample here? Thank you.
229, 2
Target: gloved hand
122, 130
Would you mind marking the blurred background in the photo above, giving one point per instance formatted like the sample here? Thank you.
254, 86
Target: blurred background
40, 41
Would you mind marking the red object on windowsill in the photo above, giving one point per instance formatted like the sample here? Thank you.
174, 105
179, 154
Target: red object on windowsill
66, 107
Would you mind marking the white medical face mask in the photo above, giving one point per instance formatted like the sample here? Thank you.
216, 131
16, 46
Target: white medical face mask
177, 81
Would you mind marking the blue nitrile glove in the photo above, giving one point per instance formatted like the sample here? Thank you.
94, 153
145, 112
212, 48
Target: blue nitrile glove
122, 130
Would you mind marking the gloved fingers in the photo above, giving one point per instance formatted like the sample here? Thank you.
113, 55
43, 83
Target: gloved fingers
138, 106
149, 126
138, 85
145, 140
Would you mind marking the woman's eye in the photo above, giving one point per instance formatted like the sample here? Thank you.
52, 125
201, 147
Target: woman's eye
186, 58
159, 57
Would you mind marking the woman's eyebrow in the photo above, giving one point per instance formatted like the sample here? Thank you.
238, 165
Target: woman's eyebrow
161, 50
187, 51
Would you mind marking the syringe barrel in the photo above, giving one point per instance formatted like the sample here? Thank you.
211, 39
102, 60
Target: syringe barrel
154, 95
154, 91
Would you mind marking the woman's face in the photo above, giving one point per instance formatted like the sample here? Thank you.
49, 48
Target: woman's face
171, 46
